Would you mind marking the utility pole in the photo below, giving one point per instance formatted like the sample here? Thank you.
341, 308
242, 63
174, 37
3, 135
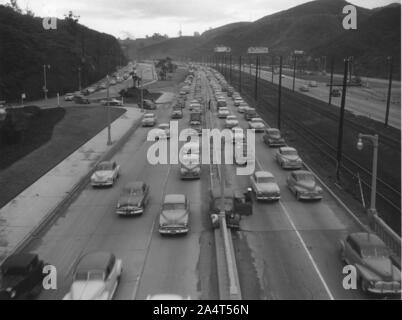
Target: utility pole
249, 61
331, 81
279, 92
79, 78
391, 66
230, 68
294, 71
256, 80
341, 119
45, 80
142, 94
273, 61
240, 62
109, 135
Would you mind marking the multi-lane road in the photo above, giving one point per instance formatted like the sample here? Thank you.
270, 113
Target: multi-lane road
285, 250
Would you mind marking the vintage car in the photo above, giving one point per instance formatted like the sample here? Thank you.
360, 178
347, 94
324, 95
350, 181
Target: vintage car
96, 277
177, 114
223, 113
221, 102
235, 206
273, 138
21, 276
238, 135
250, 113
195, 106
174, 218
148, 104
190, 166
242, 107
80, 99
303, 184
237, 101
167, 296
336, 92
242, 156
376, 272
257, 124
133, 199
112, 102
288, 158
264, 186
164, 131
149, 120
69, 97
231, 121
106, 173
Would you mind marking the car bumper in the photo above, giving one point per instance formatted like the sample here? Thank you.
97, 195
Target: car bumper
173, 230
385, 288
268, 197
290, 165
190, 175
101, 184
147, 124
310, 196
129, 212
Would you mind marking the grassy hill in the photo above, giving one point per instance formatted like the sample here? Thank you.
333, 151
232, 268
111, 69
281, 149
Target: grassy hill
26, 47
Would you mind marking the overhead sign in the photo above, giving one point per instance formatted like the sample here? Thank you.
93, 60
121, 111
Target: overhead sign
222, 49
298, 52
257, 50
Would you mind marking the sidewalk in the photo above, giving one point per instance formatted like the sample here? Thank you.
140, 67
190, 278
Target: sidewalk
20, 217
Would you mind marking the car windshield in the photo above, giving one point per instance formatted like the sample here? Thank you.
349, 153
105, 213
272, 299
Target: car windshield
375, 252
265, 180
104, 166
133, 191
289, 152
305, 177
174, 206
148, 116
274, 133
89, 275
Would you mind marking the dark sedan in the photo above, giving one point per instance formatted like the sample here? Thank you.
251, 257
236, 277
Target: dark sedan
133, 199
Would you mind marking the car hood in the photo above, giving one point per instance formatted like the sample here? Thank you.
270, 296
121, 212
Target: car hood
380, 268
102, 175
130, 200
86, 290
307, 185
267, 187
291, 158
174, 216
9, 282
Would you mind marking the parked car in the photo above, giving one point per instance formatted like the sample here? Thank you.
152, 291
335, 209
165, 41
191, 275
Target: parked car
231, 121
242, 107
288, 158
149, 104
221, 102
96, 277
174, 218
133, 199
149, 120
177, 114
257, 124
264, 185
106, 173
250, 113
21, 276
273, 138
79, 99
303, 184
312, 84
304, 88
69, 97
376, 272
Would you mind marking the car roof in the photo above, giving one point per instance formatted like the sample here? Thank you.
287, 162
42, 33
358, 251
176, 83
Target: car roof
365, 239
94, 261
175, 198
262, 174
20, 261
287, 149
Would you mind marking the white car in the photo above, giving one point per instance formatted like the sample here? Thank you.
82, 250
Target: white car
257, 124
149, 120
231, 121
69, 97
106, 173
96, 277
223, 112
238, 101
264, 186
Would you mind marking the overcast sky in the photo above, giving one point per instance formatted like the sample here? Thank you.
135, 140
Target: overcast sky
137, 18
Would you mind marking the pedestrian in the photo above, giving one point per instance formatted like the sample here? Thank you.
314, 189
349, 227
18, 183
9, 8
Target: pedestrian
209, 105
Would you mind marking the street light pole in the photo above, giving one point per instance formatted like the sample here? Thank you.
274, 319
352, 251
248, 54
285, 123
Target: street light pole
142, 94
45, 80
240, 62
391, 65
109, 135
374, 140
79, 78
294, 72
331, 82
256, 80
279, 92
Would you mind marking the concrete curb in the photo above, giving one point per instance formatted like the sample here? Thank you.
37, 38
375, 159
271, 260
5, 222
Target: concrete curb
73, 192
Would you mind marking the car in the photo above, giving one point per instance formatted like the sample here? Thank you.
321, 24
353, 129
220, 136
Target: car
80, 99
235, 206
91, 90
164, 131
69, 97
376, 272
112, 102
304, 186
190, 166
177, 114
221, 102
264, 186
241, 156
21, 276
174, 218
242, 108
231, 121
237, 101
106, 173
257, 124
149, 120
238, 135
148, 104
304, 88
288, 158
250, 113
96, 277
133, 199
223, 113
273, 138
313, 84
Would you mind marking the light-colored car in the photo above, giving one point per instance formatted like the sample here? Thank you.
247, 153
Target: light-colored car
174, 218
164, 132
223, 113
221, 102
133, 199
376, 272
238, 135
304, 88
288, 158
231, 121
257, 124
273, 138
69, 97
242, 107
237, 101
106, 173
250, 113
190, 166
304, 186
96, 277
112, 102
149, 120
177, 114
264, 186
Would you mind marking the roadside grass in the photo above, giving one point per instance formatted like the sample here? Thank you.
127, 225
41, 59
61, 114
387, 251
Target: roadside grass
49, 140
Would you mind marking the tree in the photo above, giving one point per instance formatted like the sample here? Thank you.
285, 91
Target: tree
196, 34
14, 5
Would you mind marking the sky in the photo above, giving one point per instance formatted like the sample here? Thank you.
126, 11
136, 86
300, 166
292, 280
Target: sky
138, 18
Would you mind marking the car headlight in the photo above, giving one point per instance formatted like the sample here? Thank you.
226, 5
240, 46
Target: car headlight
118, 206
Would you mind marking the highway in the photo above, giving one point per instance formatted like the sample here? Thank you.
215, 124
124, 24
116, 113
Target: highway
285, 250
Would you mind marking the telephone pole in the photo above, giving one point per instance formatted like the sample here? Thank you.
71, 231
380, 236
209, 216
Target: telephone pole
391, 66
279, 92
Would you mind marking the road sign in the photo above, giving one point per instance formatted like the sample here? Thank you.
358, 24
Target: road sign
298, 52
222, 49
257, 50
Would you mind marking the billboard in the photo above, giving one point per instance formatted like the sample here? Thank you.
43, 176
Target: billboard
222, 49
257, 50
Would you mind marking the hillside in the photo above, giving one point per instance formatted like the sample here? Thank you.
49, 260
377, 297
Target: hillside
26, 47
315, 27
